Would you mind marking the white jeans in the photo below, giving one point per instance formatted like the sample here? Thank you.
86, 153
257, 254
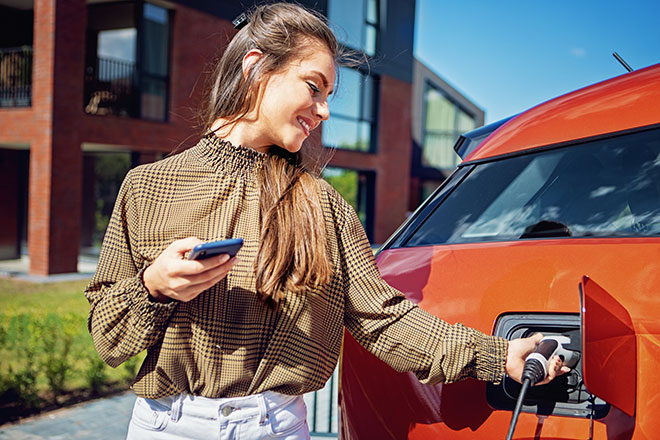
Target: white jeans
184, 416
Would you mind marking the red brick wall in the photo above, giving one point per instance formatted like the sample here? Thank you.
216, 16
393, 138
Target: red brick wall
392, 161
17, 126
40, 149
393, 179
196, 39
56, 126
55, 155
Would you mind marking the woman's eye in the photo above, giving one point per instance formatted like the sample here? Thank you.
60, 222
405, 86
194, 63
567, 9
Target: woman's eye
313, 87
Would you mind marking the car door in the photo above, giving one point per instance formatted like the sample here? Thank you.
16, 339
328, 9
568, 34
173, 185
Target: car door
502, 247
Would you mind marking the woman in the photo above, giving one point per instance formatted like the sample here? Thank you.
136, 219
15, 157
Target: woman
234, 343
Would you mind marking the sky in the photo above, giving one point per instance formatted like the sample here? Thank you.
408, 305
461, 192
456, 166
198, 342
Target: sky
509, 55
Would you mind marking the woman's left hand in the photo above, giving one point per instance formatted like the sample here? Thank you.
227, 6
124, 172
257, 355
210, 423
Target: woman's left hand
518, 351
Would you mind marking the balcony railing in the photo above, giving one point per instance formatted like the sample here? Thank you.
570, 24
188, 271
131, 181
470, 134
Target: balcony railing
110, 88
16, 77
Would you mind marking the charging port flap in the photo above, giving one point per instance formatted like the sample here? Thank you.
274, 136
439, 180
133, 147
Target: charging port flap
609, 348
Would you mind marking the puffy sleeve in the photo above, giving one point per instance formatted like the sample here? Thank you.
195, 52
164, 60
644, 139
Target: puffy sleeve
123, 318
396, 330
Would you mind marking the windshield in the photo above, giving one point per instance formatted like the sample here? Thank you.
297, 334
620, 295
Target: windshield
608, 187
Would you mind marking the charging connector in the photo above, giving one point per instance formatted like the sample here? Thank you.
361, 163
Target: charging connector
536, 369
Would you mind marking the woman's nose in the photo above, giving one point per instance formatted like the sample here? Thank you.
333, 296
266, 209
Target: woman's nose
322, 111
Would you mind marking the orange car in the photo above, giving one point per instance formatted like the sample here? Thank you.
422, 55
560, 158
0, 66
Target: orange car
552, 224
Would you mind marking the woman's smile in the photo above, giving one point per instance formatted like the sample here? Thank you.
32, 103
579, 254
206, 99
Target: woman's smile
305, 125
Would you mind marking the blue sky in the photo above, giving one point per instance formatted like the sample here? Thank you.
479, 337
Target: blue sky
510, 55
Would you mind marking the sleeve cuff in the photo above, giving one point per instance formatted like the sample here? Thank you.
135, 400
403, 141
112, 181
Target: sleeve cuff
145, 309
490, 356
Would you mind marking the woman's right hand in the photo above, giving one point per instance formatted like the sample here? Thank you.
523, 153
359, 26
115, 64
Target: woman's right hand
171, 276
517, 353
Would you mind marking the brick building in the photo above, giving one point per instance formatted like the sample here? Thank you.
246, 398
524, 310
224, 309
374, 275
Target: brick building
90, 88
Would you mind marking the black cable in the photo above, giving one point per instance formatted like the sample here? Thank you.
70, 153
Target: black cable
533, 372
516, 411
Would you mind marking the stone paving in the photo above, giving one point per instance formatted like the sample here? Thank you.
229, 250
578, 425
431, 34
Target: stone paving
105, 419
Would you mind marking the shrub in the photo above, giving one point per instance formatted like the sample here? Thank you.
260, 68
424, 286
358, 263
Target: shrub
18, 354
57, 336
47, 357
95, 373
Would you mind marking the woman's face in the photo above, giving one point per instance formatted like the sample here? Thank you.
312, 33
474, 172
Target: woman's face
294, 101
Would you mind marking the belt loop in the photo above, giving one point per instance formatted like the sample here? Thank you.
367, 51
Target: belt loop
263, 411
177, 407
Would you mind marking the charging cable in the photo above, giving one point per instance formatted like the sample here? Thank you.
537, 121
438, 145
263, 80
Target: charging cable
536, 369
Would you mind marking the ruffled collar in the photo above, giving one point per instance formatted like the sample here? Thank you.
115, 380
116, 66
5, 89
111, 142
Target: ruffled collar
224, 155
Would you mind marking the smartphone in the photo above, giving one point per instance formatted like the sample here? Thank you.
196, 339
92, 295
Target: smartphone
212, 248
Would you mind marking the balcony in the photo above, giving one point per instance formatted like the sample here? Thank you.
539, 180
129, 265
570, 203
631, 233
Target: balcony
110, 88
120, 88
16, 77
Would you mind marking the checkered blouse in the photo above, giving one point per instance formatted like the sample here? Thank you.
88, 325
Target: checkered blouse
225, 342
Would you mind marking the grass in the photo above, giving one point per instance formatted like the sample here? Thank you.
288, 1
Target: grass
23, 296
47, 358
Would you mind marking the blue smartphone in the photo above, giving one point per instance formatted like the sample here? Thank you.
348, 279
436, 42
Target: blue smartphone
212, 248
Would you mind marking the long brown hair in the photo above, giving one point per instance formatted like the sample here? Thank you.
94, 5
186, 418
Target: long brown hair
293, 251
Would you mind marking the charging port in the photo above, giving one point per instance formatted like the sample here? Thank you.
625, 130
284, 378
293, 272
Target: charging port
564, 396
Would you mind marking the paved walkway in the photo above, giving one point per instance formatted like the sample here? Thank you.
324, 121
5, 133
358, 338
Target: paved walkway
105, 419
18, 269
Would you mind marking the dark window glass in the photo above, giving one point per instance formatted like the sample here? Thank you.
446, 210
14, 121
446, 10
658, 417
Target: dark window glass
602, 188
104, 173
156, 40
127, 65
355, 23
110, 65
155, 62
351, 112
153, 98
117, 44
346, 102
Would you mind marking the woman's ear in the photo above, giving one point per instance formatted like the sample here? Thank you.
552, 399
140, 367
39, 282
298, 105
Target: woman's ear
250, 59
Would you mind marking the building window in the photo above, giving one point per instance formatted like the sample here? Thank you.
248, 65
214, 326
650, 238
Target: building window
127, 67
352, 115
16, 76
155, 62
103, 174
443, 122
16, 29
356, 23
357, 188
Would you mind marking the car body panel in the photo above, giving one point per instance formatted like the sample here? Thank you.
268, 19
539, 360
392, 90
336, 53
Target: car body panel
512, 277
622, 103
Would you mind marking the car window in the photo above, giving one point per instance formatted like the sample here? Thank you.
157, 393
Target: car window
608, 187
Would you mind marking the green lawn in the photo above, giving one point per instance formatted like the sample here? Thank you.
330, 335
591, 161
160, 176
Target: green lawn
47, 358
23, 296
